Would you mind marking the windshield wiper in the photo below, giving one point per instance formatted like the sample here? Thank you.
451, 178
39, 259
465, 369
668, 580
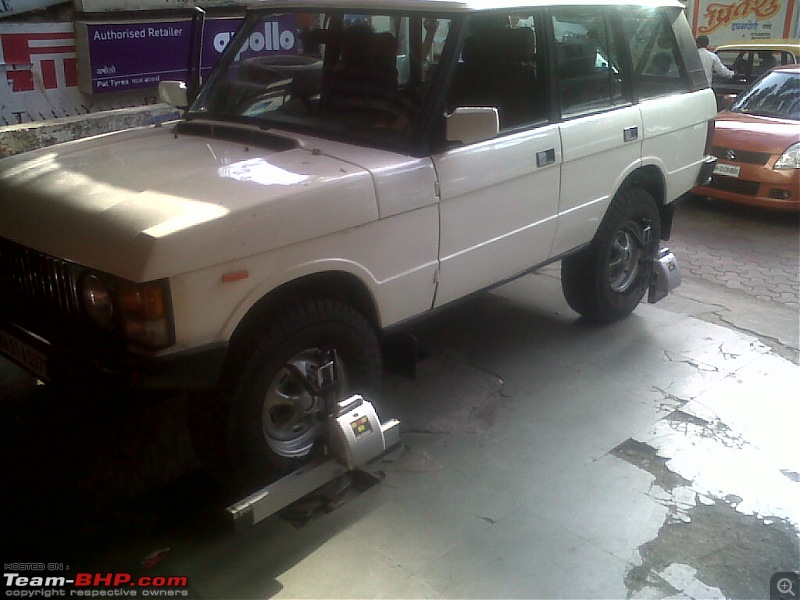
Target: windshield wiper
230, 132
763, 113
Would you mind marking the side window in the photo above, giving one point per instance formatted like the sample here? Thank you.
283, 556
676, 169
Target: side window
765, 60
740, 61
657, 69
587, 60
753, 62
500, 66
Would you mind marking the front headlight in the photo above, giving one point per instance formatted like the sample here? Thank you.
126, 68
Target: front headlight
141, 312
97, 301
789, 159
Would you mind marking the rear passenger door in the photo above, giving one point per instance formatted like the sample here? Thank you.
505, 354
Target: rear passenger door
601, 128
499, 197
665, 71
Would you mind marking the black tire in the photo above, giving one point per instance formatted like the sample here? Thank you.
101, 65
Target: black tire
605, 281
270, 423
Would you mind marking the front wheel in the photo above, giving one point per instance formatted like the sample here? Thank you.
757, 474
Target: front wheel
273, 420
606, 281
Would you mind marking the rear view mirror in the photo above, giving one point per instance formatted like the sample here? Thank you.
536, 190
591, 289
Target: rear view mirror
473, 124
173, 93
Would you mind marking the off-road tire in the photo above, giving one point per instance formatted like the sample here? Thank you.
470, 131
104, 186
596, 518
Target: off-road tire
607, 280
246, 453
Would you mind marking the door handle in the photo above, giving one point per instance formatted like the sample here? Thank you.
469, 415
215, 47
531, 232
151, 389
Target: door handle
546, 157
630, 134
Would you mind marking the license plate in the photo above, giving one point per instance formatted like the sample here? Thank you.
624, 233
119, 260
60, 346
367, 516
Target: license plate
22, 353
728, 170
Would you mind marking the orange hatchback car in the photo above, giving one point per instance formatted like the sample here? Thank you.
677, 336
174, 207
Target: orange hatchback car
757, 142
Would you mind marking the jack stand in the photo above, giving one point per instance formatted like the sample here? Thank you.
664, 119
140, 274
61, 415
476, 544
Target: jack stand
357, 437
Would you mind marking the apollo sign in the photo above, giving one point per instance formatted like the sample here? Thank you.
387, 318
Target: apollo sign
272, 38
120, 56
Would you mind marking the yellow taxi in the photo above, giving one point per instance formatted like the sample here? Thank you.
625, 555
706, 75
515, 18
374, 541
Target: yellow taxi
750, 59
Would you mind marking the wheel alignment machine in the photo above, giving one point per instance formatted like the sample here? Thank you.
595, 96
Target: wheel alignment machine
355, 437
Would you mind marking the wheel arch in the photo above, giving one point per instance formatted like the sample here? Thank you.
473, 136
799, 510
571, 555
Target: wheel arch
337, 285
650, 178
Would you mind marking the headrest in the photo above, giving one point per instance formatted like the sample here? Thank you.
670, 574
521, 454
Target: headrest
510, 46
576, 57
360, 44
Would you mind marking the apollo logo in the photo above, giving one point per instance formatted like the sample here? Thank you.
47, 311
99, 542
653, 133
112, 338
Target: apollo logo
271, 39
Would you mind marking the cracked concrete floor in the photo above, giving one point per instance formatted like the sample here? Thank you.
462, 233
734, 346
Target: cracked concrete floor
741, 269
542, 458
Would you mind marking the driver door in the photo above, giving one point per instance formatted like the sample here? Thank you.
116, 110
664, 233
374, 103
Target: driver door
499, 197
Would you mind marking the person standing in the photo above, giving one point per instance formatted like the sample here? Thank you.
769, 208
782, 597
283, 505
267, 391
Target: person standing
711, 62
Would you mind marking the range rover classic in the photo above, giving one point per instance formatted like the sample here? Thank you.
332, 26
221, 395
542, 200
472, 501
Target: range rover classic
369, 165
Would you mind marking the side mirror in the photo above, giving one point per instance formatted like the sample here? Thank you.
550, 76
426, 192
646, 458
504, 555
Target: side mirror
470, 124
173, 93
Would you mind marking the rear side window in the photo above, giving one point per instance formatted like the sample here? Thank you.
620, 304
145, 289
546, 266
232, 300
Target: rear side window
658, 68
587, 61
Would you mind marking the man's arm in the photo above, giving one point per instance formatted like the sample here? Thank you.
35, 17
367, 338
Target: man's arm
719, 68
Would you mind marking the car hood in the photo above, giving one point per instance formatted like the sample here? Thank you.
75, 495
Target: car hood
150, 203
754, 133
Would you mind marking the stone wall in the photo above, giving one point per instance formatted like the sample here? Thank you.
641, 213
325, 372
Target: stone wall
29, 136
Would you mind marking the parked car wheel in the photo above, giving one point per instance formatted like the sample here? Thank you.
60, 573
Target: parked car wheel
606, 281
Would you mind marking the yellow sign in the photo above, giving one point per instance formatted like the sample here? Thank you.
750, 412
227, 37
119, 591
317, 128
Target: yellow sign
731, 22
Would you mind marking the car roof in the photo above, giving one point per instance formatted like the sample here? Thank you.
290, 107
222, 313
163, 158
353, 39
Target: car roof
788, 45
447, 5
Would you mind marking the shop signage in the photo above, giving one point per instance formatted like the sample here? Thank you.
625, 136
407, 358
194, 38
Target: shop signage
116, 57
39, 76
737, 20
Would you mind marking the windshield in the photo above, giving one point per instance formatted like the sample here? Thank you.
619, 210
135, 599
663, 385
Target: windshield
776, 95
337, 74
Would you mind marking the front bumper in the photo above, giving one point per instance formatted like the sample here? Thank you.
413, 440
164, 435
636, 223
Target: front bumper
50, 362
758, 186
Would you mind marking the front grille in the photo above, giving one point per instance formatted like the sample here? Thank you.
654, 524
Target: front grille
734, 185
742, 156
28, 277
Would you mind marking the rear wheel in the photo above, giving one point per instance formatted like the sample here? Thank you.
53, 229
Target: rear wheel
606, 281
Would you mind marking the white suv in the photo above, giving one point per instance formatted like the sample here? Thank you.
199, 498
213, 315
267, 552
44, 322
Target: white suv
343, 171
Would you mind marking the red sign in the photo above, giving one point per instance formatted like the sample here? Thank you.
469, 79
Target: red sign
39, 76
53, 53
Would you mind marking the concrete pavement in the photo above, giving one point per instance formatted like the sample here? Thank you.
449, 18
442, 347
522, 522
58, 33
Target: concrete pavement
542, 458
742, 248
741, 269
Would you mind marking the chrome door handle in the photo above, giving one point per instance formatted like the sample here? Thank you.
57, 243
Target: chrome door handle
546, 157
630, 134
